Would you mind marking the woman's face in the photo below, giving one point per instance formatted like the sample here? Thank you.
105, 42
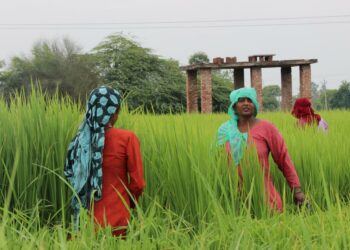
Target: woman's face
113, 119
244, 107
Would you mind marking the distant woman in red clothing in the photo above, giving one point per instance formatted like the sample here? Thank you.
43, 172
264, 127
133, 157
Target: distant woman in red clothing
244, 128
104, 164
306, 116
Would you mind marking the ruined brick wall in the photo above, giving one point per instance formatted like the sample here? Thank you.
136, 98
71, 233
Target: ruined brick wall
256, 82
305, 81
238, 78
206, 91
286, 91
191, 91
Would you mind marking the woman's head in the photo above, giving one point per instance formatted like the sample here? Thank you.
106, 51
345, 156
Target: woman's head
302, 109
102, 107
243, 103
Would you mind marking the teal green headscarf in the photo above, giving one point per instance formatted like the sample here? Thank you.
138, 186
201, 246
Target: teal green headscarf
83, 165
229, 131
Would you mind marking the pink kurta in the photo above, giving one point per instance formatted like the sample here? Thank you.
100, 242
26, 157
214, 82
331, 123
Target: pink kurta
266, 139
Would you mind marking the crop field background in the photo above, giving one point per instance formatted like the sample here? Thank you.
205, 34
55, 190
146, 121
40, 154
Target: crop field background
191, 200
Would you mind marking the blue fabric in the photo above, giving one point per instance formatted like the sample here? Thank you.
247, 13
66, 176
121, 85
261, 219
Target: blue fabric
229, 131
83, 165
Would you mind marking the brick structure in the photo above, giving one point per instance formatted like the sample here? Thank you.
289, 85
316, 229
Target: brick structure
191, 91
230, 60
255, 64
305, 81
218, 60
206, 91
238, 78
261, 58
286, 92
256, 82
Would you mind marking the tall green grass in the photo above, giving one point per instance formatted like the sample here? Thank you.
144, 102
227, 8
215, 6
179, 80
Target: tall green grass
191, 199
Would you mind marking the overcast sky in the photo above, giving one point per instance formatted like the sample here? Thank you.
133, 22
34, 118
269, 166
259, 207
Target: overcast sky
239, 35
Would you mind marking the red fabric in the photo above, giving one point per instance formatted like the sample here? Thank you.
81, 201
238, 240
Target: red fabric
267, 139
303, 111
121, 161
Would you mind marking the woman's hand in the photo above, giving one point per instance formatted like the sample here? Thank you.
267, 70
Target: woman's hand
298, 196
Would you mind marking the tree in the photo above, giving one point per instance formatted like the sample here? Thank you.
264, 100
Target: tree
270, 95
315, 96
341, 98
147, 80
198, 58
55, 65
325, 98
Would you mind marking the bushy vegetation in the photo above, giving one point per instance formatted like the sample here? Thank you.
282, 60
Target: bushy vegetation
147, 80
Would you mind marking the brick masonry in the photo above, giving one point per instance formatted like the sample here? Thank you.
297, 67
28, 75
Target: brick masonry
238, 78
191, 91
206, 91
231, 60
286, 78
256, 82
305, 80
258, 62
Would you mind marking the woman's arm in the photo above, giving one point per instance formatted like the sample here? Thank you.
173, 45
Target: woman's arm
280, 155
135, 168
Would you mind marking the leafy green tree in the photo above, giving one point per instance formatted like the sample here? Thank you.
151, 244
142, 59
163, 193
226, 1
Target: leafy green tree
270, 95
315, 96
341, 98
147, 80
198, 57
57, 65
325, 96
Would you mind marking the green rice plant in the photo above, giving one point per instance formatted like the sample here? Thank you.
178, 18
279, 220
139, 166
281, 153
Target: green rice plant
192, 199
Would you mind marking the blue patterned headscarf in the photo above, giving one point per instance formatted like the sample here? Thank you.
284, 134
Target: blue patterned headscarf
229, 131
83, 165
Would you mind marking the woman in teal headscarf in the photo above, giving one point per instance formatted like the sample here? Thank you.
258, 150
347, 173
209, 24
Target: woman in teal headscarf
243, 128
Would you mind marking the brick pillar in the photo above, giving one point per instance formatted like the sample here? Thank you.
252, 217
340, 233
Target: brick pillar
238, 78
191, 91
305, 81
286, 75
256, 82
206, 91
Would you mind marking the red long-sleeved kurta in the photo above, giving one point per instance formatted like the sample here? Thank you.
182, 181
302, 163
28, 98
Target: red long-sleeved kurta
122, 168
266, 139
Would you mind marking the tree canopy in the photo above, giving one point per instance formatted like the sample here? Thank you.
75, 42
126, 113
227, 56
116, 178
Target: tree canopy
270, 95
144, 78
341, 98
57, 65
198, 57
147, 80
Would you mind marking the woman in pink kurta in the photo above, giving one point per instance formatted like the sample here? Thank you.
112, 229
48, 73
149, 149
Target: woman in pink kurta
267, 139
243, 128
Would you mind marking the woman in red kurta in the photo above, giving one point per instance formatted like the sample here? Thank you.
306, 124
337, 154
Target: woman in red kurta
103, 164
243, 128
303, 111
122, 175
